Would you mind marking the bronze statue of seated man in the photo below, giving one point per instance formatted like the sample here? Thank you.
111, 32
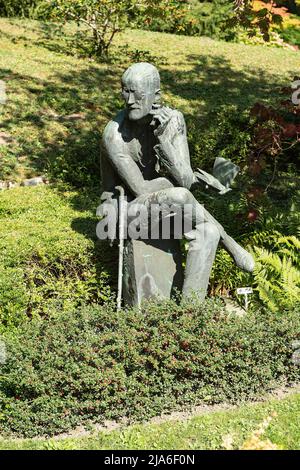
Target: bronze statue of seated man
141, 141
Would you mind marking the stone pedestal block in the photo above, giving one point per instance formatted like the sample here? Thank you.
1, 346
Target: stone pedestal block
152, 268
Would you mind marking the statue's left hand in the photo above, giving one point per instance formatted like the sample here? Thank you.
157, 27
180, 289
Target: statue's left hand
209, 180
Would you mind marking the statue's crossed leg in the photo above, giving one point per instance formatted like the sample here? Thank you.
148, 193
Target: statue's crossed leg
202, 232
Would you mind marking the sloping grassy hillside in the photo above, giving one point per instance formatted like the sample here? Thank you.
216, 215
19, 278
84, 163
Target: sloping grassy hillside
58, 104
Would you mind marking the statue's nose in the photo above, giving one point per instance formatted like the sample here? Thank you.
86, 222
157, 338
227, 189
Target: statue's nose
131, 98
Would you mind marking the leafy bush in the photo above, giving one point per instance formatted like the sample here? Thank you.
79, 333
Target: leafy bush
262, 210
278, 279
220, 19
103, 20
270, 236
96, 364
291, 35
192, 18
23, 8
210, 18
277, 273
164, 15
253, 16
276, 39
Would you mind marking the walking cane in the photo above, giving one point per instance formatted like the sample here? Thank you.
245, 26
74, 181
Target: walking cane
121, 245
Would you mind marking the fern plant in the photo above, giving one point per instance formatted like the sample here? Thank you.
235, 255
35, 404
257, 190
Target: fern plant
277, 271
276, 278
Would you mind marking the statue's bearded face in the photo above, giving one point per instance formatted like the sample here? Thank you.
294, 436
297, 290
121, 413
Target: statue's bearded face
139, 96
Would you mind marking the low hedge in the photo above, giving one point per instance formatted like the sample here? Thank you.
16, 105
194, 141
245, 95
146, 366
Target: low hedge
96, 364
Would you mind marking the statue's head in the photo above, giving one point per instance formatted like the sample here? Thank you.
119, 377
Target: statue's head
140, 89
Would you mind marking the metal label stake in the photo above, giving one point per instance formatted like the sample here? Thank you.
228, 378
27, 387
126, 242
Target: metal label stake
245, 291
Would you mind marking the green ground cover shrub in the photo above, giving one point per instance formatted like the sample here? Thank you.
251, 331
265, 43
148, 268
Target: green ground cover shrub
271, 424
96, 363
223, 429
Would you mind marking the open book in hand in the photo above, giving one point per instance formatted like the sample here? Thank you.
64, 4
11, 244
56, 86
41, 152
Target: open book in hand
224, 172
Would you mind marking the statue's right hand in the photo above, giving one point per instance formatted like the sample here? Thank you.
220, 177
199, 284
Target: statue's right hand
161, 116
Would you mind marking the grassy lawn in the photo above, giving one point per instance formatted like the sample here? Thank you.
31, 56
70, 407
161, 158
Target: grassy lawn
50, 255
275, 423
58, 104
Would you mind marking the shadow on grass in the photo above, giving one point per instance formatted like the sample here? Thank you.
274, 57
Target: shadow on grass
105, 257
57, 123
65, 115
213, 82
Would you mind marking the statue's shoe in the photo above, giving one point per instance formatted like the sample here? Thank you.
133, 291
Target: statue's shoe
242, 258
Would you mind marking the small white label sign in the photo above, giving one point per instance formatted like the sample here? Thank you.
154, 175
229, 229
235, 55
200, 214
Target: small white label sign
244, 290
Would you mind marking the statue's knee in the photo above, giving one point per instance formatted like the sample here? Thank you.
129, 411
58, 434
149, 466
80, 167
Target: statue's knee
207, 231
211, 232
180, 196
